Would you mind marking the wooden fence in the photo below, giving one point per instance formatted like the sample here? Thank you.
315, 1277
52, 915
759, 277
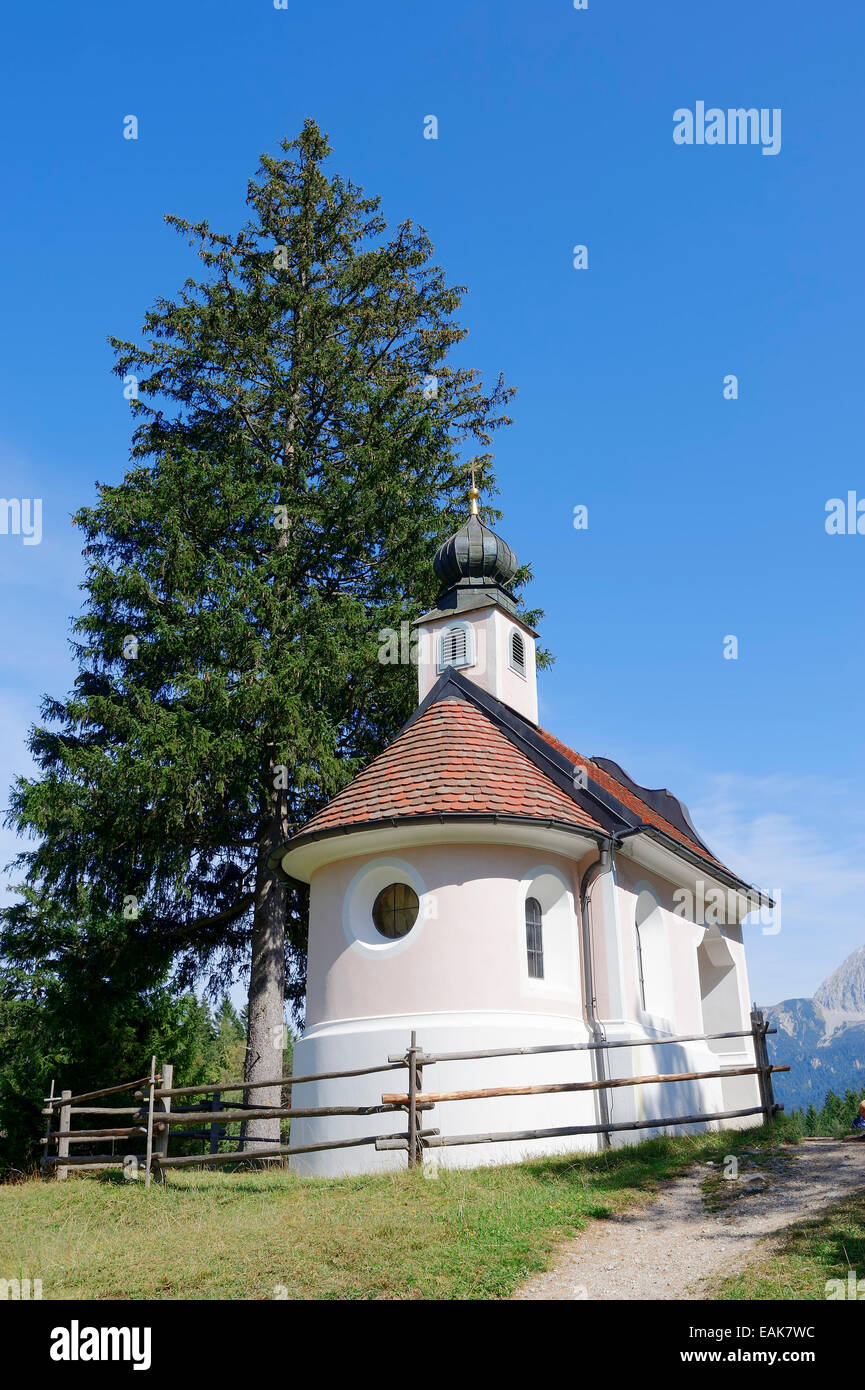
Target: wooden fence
156, 1114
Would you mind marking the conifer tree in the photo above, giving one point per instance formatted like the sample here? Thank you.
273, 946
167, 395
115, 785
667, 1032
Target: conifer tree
303, 443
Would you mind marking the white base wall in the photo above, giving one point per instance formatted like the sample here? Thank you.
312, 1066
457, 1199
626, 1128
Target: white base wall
668, 1100
365, 1042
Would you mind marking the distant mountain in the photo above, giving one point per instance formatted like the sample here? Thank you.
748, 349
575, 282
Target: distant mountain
822, 1039
845, 989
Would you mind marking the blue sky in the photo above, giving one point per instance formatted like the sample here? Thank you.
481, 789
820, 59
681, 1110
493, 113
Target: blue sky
706, 515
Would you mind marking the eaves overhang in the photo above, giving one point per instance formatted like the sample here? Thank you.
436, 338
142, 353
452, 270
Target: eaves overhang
300, 857
677, 864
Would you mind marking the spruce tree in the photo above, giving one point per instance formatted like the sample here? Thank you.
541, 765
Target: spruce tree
302, 444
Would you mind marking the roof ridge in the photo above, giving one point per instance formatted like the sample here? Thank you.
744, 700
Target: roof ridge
690, 838
530, 739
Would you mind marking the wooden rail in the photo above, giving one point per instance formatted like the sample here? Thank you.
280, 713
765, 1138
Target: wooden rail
99, 1110
79, 1136
174, 1091
157, 1120
512, 1136
432, 1057
272, 1113
55, 1101
436, 1097
240, 1156
85, 1160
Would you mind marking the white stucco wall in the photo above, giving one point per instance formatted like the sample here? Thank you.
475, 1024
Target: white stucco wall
366, 1042
490, 667
460, 979
684, 1011
467, 950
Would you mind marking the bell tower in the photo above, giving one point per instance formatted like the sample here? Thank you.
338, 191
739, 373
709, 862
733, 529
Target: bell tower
475, 627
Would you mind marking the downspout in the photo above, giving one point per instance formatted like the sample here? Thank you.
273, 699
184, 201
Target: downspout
599, 1068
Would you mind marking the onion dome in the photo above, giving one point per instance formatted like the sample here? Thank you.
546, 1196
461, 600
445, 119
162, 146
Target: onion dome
475, 555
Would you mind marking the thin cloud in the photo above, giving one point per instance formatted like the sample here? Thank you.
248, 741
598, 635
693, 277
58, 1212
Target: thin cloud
805, 842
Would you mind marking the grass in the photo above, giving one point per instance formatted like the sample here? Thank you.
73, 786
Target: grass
799, 1262
473, 1234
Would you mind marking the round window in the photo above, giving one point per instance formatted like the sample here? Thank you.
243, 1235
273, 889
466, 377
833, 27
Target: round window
395, 910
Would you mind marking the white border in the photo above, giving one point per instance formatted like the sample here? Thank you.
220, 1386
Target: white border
361, 933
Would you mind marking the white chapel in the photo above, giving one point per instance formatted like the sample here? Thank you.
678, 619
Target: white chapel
488, 887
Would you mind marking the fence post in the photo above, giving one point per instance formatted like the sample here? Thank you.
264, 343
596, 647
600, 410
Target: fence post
48, 1123
151, 1086
160, 1146
65, 1126
770, 1090
418, 1071
761, 1060
215, 1104
412, 1101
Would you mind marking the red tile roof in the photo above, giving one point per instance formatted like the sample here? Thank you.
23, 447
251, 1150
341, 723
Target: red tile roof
624, 794
452, 760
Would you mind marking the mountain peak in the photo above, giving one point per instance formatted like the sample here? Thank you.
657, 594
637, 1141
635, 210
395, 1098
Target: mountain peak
845, 987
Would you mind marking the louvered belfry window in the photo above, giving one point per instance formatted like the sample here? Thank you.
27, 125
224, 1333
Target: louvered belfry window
455, 647
535, 939
518, 652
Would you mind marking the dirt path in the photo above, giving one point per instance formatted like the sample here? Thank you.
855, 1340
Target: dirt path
665, 1249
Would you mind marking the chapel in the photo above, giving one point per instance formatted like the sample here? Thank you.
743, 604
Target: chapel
490, 888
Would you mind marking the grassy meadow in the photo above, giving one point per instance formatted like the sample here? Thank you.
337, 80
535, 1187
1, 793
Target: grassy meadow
264, 1234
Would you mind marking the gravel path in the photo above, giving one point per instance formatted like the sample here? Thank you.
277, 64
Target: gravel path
667, 1248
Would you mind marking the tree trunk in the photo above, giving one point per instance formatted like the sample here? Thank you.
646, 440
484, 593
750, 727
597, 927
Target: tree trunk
265, 1032
265, 1038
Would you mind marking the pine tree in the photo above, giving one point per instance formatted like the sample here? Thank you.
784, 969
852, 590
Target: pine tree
303, 443
850, 1108
229, 1042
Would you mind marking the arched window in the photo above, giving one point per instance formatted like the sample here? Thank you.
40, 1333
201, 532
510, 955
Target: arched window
456, 647
641, 975
654, 968
518, 652
535, 939
719, 990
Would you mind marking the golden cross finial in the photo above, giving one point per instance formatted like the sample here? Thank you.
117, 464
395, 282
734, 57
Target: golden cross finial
473, 497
